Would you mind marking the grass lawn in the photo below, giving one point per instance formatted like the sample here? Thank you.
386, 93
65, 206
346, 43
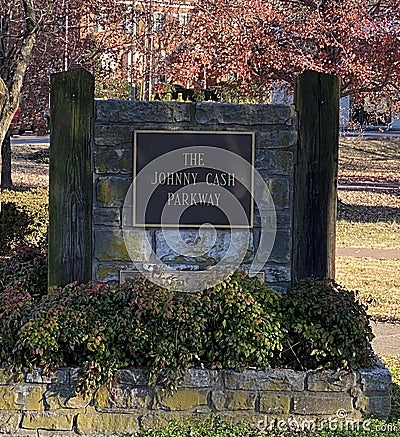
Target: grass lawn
377, 281
380, 235
369, 159
370, 218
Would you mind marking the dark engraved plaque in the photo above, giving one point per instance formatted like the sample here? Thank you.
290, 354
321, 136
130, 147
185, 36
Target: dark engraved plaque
193, 178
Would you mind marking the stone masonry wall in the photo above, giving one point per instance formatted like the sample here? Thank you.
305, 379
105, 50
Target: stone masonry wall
275, 128
48, 406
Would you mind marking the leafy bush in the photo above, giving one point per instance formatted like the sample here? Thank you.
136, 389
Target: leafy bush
327, 326
245, 327
15, 304
23, 280
236, 324
24, 218
25, 268
233, 325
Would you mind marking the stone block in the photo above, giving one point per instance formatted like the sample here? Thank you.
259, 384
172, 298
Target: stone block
340, 381
134, 377
268, 219
233, 399
276, 138
122, 397
93, 423
8, 398
284, 379
112, 190
64, 397
278, 380
244, 115
113, 135
377, 406
35, 376
113, 160
240, 400
110, 272
198, 378
282, 247
375, 380
109, 245
61, 376
117, 245
273, 162
275, 189
275, 403
107, 216
118, 111
247, 380
217, 399
9, 422
48, 420
191, 247
30, 397
277, 273
327, 404
183, 399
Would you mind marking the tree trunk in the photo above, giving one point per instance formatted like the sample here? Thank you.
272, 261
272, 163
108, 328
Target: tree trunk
6, 181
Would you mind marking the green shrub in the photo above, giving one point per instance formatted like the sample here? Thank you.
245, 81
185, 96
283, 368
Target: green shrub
24, 218
236, 324
15, 305
245, 324
233, 325
25, 268
23, 280
327, 326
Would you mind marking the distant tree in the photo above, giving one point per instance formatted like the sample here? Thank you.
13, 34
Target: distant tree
259, 45
37, 38
19, 24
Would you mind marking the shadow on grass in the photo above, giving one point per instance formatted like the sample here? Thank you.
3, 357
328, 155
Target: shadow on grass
367, 214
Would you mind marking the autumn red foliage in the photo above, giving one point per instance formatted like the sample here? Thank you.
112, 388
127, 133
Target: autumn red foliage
242, 49
259, 45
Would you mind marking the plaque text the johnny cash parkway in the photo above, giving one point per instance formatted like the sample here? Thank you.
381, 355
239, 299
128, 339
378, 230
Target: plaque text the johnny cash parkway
193, 178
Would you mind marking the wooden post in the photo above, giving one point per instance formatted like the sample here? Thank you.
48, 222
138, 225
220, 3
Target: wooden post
70, 197
315, 181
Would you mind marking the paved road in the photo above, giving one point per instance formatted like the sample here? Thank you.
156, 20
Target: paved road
372, 133
387, 338
34, 139
367, 186
29, 139
365, 252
